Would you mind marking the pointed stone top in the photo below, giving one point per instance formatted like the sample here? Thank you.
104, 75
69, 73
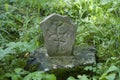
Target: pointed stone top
59, 34
55, 16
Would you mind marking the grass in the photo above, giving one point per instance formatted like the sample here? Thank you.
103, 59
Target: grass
97, 21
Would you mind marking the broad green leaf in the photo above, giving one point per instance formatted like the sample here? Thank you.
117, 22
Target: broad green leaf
71, 78
17, 70
50, 77
112, 68
83, 77
14, 77
111, 76
8, 75
38, 75
6, 51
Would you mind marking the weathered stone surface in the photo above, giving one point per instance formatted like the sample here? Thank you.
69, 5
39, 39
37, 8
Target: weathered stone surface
81, 57
59, 52
59, 34
84, 55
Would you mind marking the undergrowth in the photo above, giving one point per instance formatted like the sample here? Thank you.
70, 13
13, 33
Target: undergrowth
20, 33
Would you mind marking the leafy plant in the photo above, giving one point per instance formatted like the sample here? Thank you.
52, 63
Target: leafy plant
16, 75
98, 24
112, 73
80, 77
19, 47
39, 76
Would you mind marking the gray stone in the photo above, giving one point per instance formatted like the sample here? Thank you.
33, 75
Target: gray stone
59, 52
84, 55
81, 56
59, 34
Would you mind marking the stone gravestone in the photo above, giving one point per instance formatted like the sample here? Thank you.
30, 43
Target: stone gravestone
59, 34
59, 52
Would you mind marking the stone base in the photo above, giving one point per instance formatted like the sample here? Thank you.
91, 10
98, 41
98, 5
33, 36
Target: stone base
81, 57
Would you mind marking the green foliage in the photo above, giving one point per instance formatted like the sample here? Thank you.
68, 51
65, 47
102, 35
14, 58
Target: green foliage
83, 77
16, 75
98, 25
71, 78
20, 74
17, 47
39, 76
112, 73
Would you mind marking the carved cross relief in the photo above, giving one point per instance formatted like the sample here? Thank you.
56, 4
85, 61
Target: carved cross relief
59, 35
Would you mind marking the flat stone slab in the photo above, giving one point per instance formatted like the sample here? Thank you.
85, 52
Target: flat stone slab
81, 57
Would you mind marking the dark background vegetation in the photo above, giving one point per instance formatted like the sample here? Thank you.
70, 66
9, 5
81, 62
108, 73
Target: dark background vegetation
98, 24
